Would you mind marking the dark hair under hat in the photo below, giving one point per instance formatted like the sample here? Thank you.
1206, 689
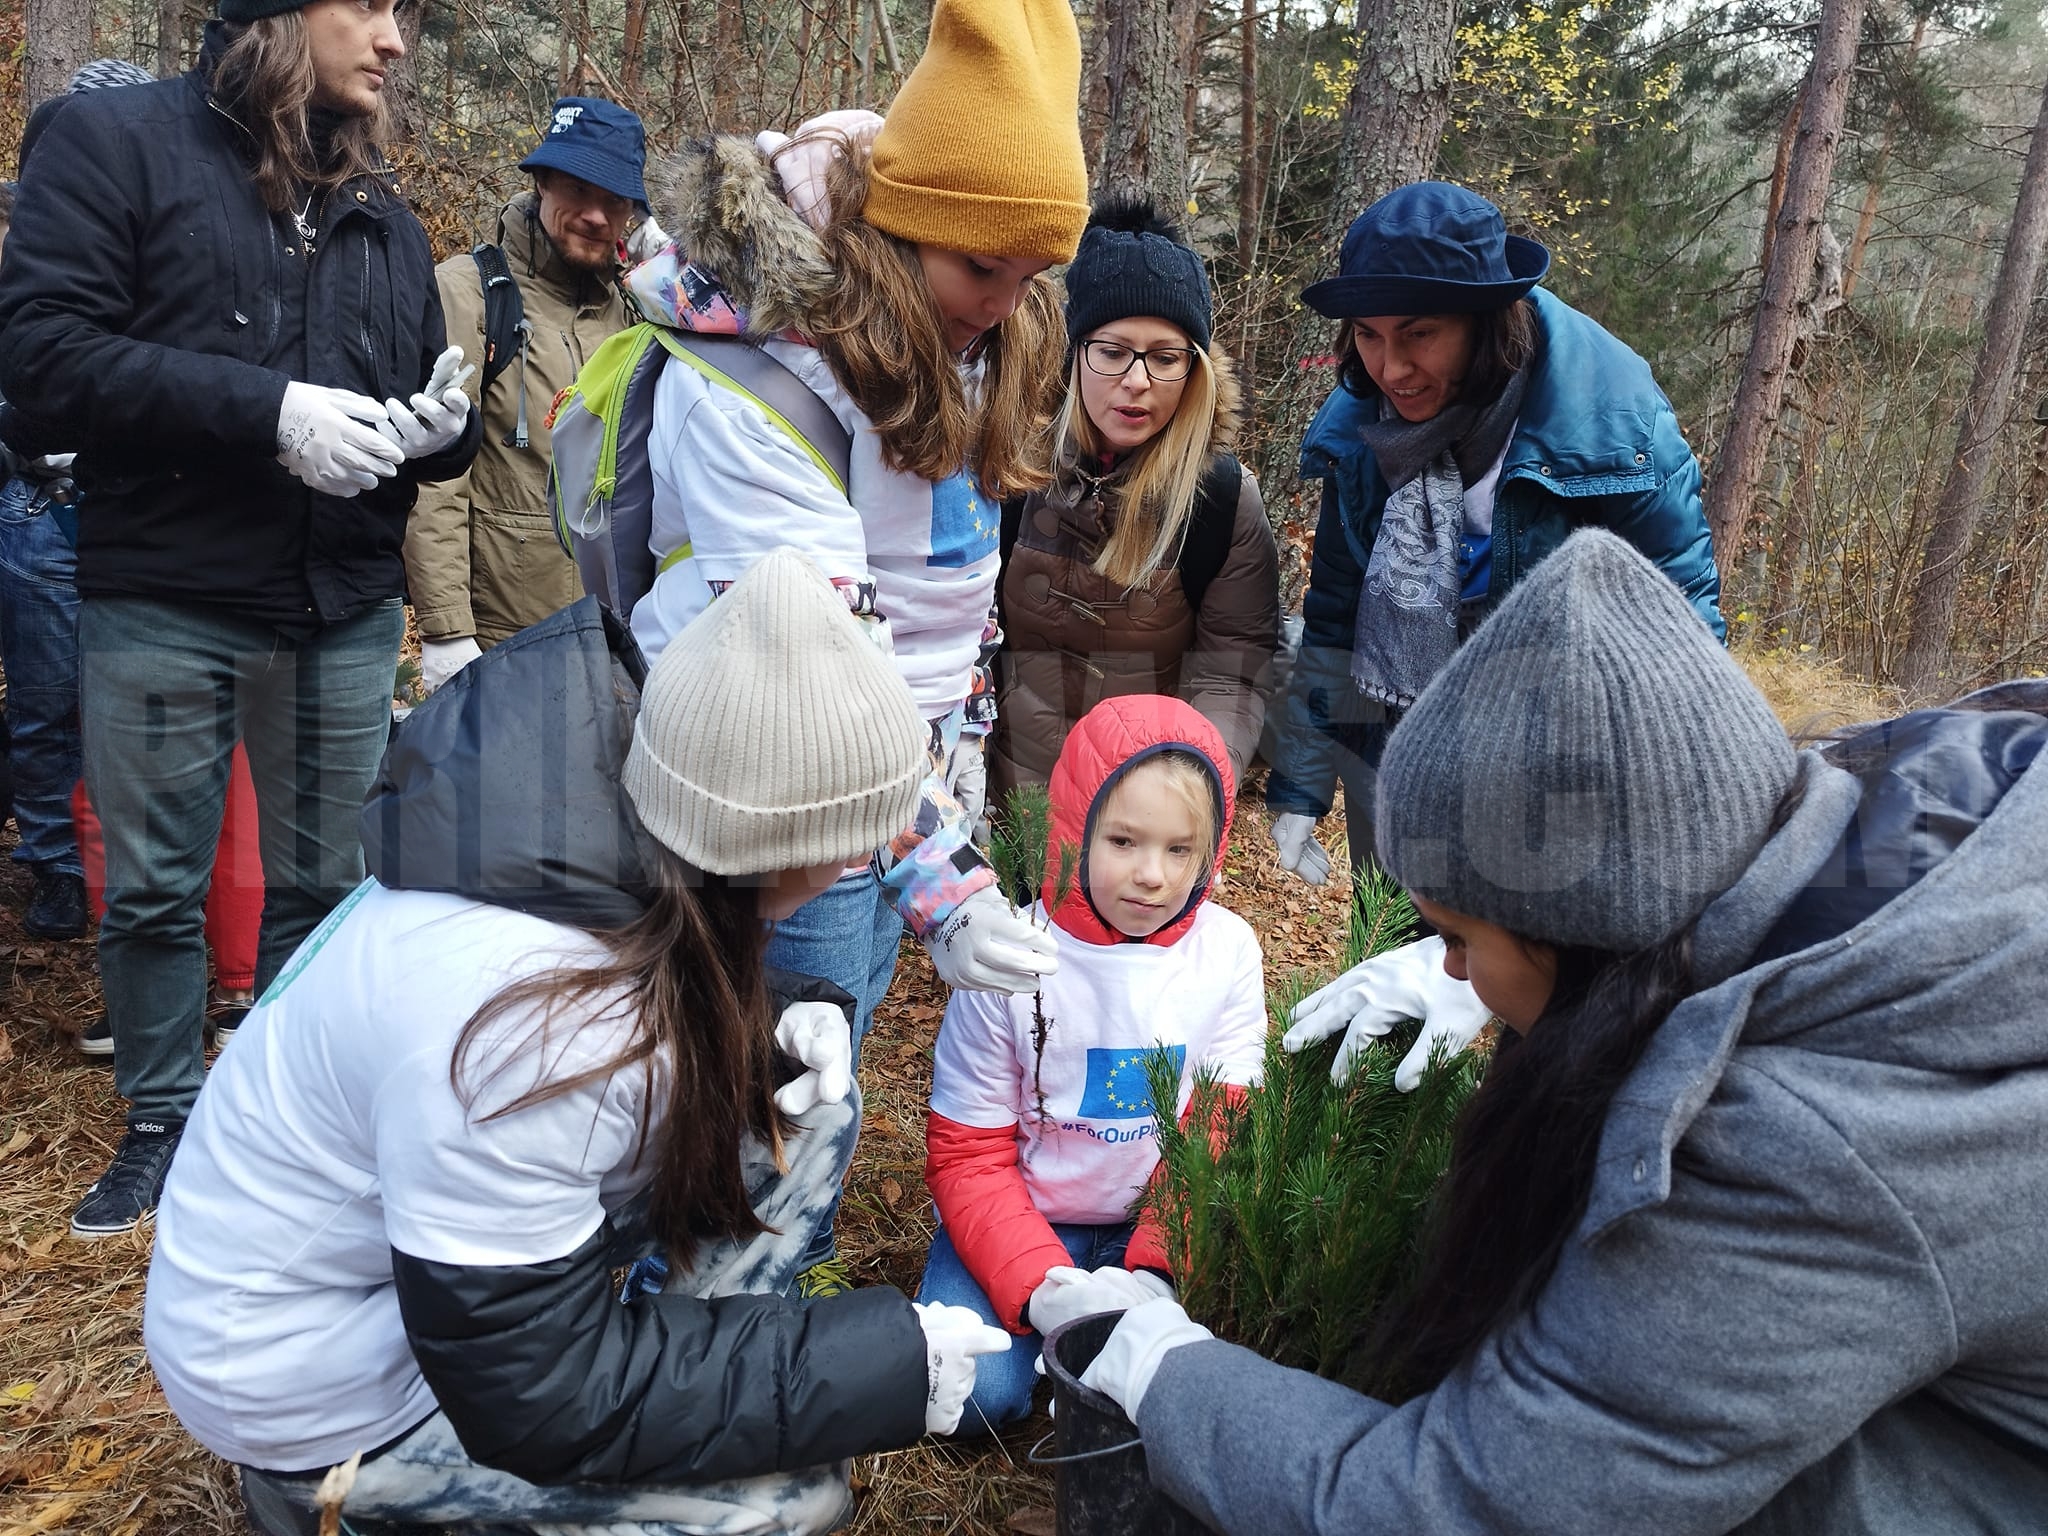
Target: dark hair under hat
1134, 262
597, 141
1425, 249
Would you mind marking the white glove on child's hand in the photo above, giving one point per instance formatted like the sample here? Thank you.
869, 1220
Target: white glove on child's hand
953, 1337
329, 439
1300, 854
1065, 1294
1128, 1362
985, 947
1373, 996
442, 659
818, 1036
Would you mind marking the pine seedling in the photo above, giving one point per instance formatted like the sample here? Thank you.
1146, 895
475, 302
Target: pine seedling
1021, 845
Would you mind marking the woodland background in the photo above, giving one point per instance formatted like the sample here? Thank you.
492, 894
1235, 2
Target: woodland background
1808, 215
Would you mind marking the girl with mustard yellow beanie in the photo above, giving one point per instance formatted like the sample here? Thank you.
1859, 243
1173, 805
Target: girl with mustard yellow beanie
907, 297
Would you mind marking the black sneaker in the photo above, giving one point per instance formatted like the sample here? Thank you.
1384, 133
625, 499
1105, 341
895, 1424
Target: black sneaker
56, 907
98, 1040
127, 1193
226, 1022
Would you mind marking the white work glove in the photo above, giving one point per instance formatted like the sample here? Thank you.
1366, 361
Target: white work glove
53, 463
645, 242
818, 1036
1300, 854
1129, 1361
1065, 1294
953, 1337
329, 439
430, 425
983, 946
442, 659
804, 159
1373, 996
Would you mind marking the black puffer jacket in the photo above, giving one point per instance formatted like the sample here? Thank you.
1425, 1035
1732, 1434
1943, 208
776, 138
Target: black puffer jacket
152, 310
503, 787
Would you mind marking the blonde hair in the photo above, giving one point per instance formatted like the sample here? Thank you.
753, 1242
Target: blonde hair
1156, 495
265, 79
883, 337
1194, 783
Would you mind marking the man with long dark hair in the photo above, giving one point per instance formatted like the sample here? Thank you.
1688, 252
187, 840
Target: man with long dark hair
218, 297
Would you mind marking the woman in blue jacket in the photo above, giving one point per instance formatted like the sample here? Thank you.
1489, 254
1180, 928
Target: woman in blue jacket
1478, 420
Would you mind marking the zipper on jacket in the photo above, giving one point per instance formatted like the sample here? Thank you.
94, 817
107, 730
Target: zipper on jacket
276, 292
363, 316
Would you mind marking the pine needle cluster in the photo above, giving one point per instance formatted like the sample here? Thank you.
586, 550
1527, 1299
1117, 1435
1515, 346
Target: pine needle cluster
1021, 848
1295, 1211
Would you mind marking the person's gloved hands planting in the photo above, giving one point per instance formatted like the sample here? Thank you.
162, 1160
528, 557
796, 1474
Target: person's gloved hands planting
984, 946
1368, 1000
1065, 1294
1130, 1358
954, 1337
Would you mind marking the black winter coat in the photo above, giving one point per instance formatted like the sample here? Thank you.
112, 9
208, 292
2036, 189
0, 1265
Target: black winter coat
152, 310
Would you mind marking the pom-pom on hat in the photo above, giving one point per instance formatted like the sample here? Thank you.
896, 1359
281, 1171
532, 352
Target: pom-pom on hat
1429, 248
773, 733
981, 150
1134, 262
1590, 768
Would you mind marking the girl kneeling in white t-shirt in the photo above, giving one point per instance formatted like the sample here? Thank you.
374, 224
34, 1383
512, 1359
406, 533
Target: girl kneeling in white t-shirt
1035, 1163
393, 1220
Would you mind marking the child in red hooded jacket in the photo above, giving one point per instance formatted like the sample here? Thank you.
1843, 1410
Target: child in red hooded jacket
1035, 1205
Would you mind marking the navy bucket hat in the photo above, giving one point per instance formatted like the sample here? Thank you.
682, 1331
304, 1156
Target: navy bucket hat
1425, 249
598, 141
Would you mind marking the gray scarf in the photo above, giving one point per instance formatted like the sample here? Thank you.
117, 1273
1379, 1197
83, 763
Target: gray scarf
1407, 624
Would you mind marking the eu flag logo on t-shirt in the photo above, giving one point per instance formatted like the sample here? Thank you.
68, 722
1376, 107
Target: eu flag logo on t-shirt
966, 523
1119, 1087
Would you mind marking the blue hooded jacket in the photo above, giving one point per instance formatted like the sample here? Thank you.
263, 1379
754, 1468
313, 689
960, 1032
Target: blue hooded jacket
1596, 445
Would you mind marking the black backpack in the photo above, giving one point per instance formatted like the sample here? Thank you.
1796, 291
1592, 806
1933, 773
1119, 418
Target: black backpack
506, 332
1203, 547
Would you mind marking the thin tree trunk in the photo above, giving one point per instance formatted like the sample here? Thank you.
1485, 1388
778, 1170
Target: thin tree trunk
886, 29
1145, 143
1095, 83
725, 81
1781, 167
1852, 265
170, 37
57, 43
1248, 199
1739, 465
633, 66
1985, 409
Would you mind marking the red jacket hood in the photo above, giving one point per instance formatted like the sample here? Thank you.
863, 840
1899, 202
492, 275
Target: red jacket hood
1106, 743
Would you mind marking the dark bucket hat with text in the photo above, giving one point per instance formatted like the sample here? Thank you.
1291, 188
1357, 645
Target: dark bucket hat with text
1428, 248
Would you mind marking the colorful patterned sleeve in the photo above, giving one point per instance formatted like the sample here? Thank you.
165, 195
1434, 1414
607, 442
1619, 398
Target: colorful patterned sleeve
932, 865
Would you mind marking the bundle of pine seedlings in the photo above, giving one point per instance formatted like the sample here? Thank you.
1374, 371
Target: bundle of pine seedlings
1295, 1210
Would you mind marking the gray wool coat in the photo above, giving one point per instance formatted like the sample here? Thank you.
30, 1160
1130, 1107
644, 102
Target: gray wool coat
1809, 1296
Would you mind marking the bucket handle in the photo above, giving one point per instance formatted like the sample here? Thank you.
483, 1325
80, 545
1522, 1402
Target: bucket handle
1037, 1460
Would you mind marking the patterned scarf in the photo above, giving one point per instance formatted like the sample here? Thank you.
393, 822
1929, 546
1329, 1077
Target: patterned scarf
1407, 624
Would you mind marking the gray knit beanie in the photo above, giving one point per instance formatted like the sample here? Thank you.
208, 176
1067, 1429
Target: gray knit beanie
773, 733
1590, 768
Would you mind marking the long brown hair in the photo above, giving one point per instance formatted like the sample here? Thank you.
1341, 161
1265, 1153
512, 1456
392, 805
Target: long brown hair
1504, 342
885, 341
265, 81
687, 978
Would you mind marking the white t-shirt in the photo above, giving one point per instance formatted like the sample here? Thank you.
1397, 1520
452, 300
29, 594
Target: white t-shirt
733, 486
328, 1133
1110, 1004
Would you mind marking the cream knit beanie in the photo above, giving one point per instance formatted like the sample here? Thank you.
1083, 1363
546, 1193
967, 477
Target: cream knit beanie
773, 733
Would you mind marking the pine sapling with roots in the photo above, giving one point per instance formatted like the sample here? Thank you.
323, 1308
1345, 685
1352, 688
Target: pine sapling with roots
1021, 848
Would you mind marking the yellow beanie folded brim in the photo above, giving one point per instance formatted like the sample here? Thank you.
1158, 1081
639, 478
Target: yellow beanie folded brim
976, 222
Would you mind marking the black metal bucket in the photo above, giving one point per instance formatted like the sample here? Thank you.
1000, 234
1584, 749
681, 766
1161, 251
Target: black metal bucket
1103, 1485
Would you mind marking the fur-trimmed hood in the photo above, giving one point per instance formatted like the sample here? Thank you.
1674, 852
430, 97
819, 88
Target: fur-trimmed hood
722, 203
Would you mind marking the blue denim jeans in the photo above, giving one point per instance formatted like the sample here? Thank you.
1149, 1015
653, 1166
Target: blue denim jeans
168, 689
1003, 1383
848, 936
428, 1477
39, 649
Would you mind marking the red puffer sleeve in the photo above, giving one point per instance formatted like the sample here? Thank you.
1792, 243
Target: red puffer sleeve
1005, 1244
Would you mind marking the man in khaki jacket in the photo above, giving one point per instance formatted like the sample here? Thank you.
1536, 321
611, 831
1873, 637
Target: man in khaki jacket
481, 557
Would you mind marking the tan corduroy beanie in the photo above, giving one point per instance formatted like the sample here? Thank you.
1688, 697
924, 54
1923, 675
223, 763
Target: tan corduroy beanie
981, 150
774, 734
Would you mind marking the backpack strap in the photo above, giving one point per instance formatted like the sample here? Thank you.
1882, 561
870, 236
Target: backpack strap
506, 331
1206, 544
791, 404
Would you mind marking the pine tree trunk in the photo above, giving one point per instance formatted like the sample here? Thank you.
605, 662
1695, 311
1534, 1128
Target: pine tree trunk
725, 80
634, 47
1739, 466
1781, 168
57, 44
1852, 267
1985, 409
170, 37
1145, 144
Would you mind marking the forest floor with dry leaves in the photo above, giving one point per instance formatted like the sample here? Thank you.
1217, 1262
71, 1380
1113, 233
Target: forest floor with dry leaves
87, 1445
